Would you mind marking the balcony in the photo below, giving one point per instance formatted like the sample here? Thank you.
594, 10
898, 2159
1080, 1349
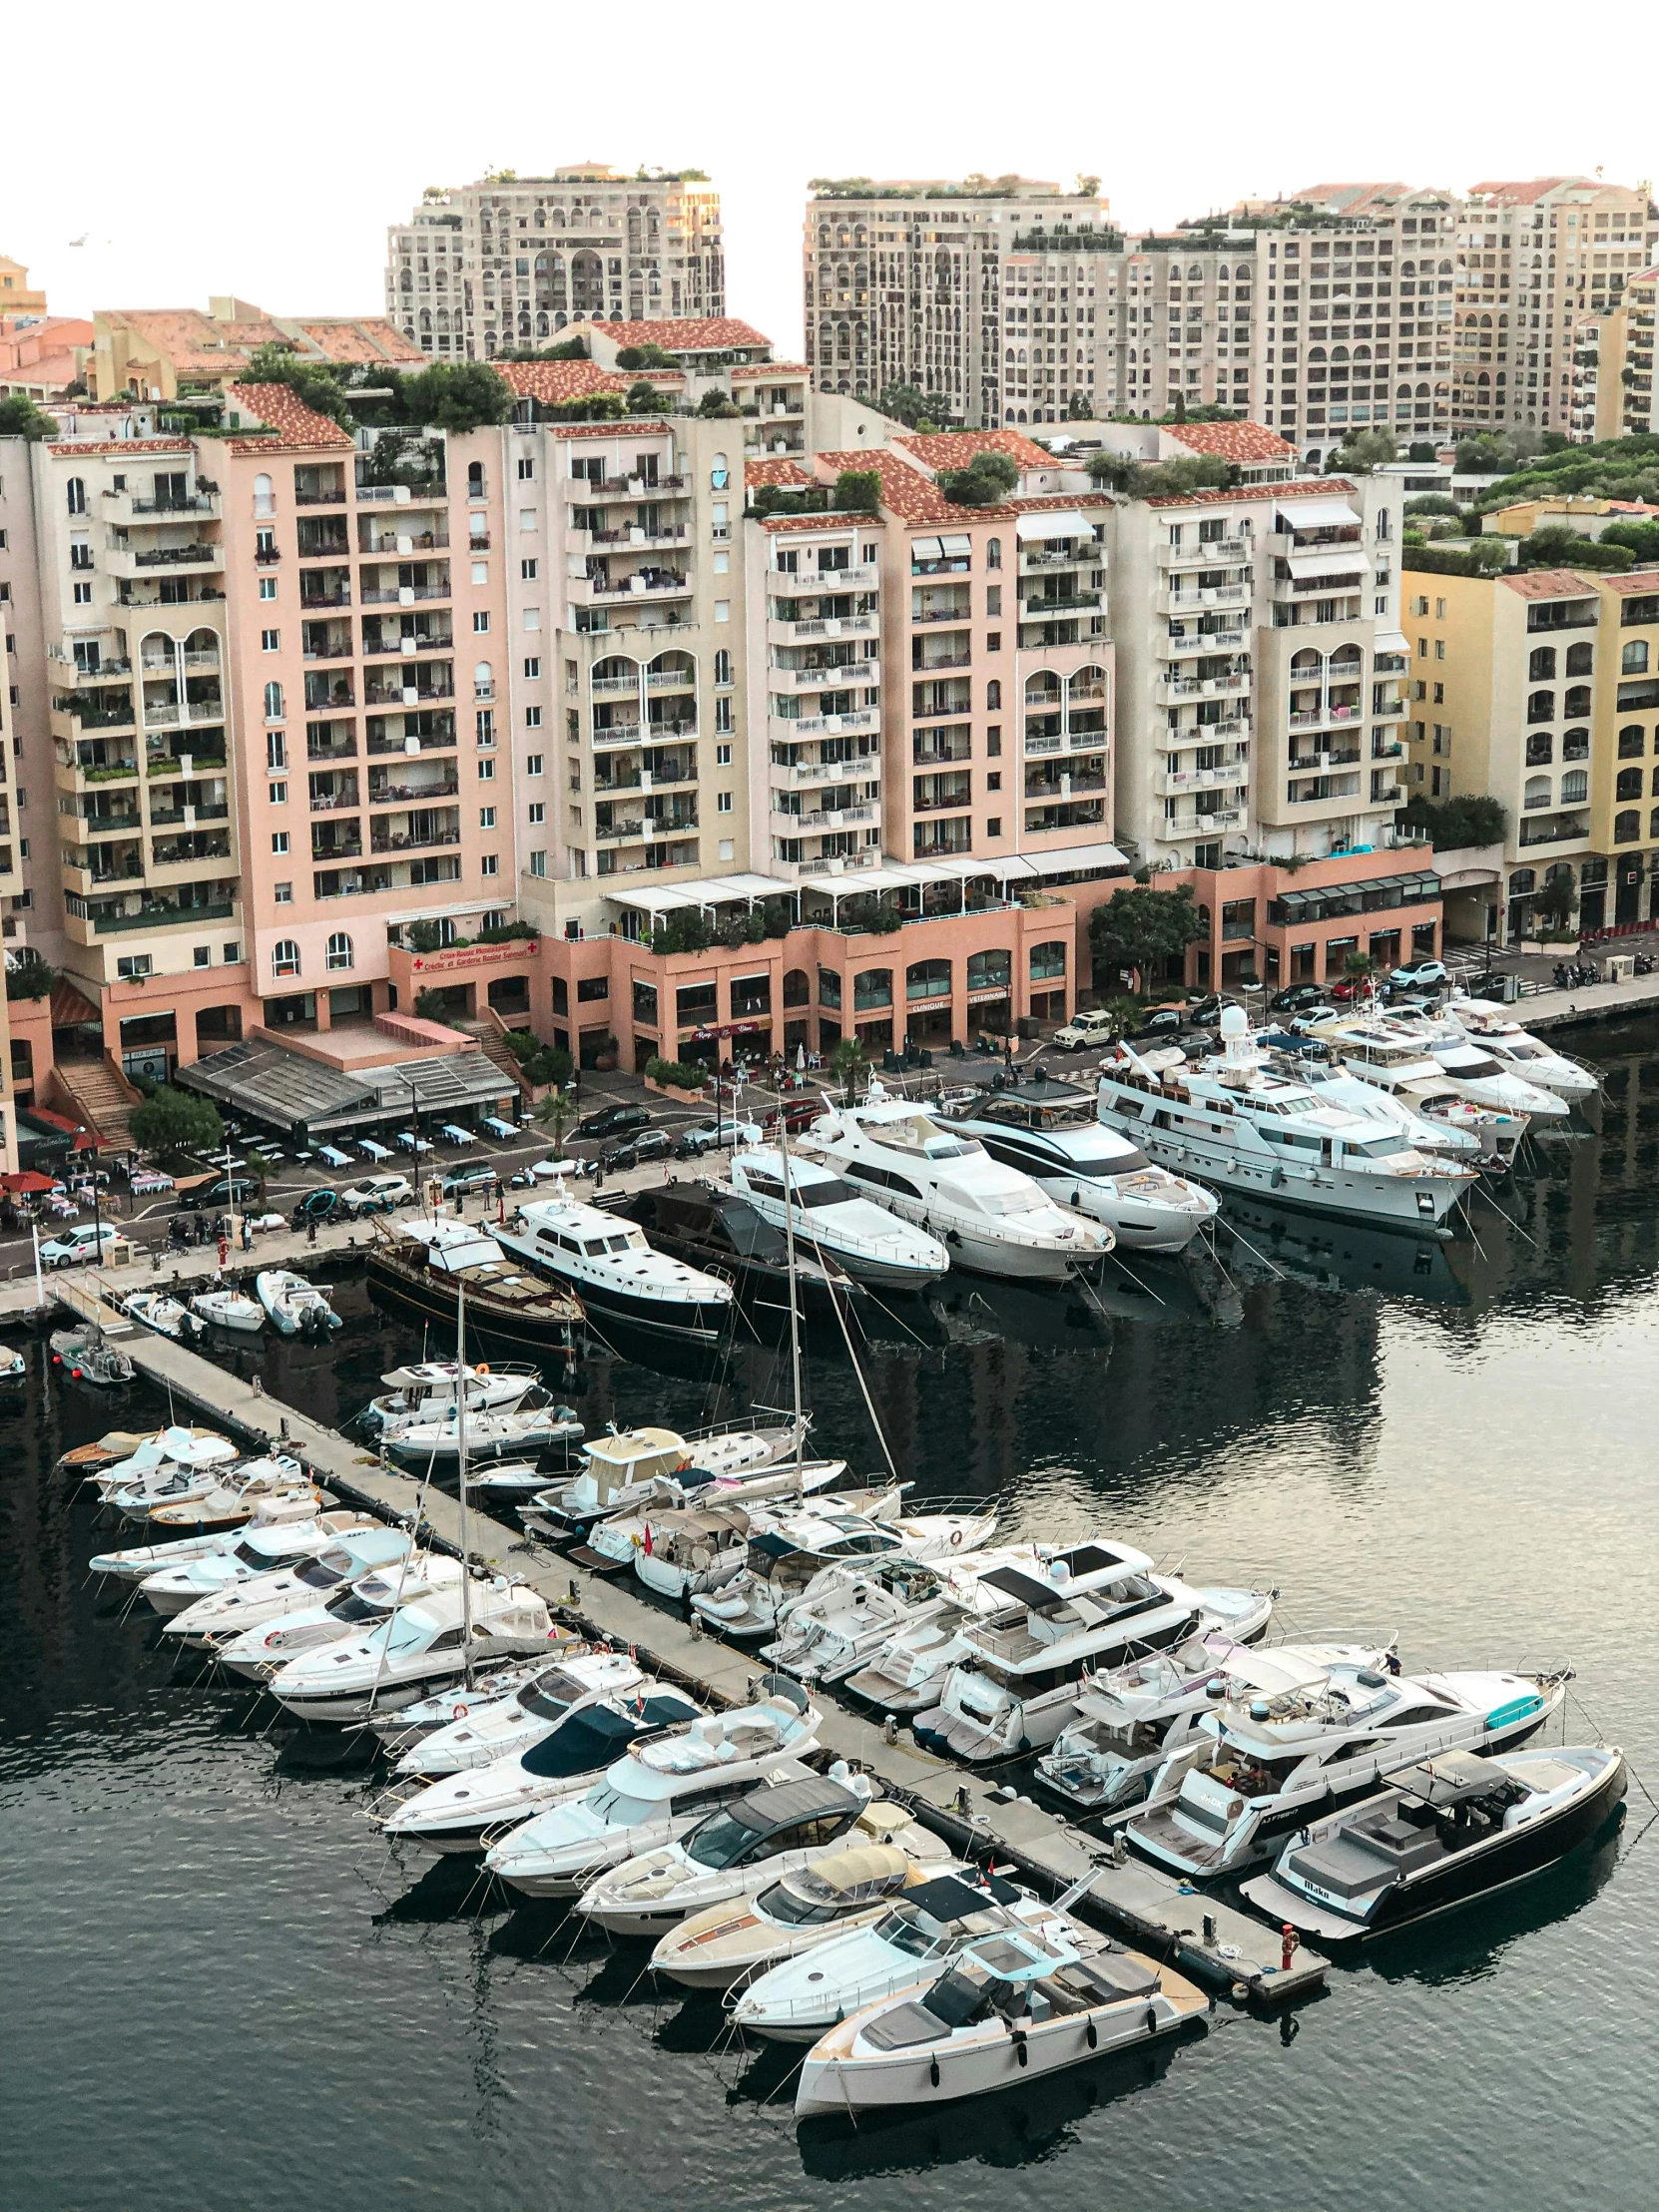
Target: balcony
1203, 641
122, 507
828, 626
401, 595
785, 726
1173, 780
185, 762
404, 795
1553, 829
589, 488
826, 678
1214, 553
1320, 788
649, 586
662, 533
93, 710
829, 817
1317, 718
190, 815
1310, 762
343, 843
421, 834
418, 496
1381, 751
431, 741
1170, 689
1190, 734
1201, 826
1173, 602
1079, 554
372, 540
185, 560
194, 850
89, 919
438, 684
938, 664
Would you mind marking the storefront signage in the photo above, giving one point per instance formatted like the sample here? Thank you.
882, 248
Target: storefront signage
475, 955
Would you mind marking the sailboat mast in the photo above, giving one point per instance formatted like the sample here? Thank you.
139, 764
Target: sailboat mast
789, 1252
461, 1460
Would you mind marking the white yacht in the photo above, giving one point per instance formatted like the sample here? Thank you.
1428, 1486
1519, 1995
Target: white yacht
849, 1612
907, 1672
1265, 1764
1515, 1049
1475, 1070
404, 1658
741, 1849
1068, 1612
1458, 1135
619, 1471
995, 1220
271, 1489
510, 1722
160, 1496
726, 1945
684, 1549
139, 1562
792, 1547
224, 1308
1051, 1133
612, 1268
831, 1218
219, 1614
1130, 1718
1230, 1120
167, 1317
426, 1388
473, 1807
297, 1308
243, 1555
169, 1451
1399, 1063
403, 1730
257, 1653
437, 1440
657, 1790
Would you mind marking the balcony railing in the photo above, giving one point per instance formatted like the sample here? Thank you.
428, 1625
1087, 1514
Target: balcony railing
394, 595
160, 915
383, 841
408, 794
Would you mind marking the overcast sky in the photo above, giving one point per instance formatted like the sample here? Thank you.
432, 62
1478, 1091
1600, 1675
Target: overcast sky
267, 156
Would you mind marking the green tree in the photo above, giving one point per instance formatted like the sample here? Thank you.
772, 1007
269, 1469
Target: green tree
716, 406
172, 1120
857, 491
645, 400
1432, 503
1364, 451
851, 1069
30, 976
1081, 408
910, 405
1359, 965
423, 937
1558, 547
315, 384
1141, 928
645, 356
21, 418
455, 396
1474, 819
429, 1007
1553, 904
554, 1113
988, 478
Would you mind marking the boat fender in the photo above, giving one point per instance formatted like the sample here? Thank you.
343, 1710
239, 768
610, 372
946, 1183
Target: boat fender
1091, 2034
1152, 2020
933, 2071
1020, 2051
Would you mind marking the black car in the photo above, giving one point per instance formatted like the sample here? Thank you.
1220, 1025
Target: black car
1292, 1001
715, 1229
1204, 1013
229, 1190
613, 1121
650, 1144
1163, 1025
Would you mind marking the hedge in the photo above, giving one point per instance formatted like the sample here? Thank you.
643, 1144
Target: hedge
680, 1076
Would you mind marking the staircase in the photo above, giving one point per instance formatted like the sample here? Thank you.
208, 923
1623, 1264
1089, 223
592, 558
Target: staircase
487, 1033
96, 1093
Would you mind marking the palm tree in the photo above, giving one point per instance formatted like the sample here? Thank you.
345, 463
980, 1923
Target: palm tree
848, 1062
554, 1113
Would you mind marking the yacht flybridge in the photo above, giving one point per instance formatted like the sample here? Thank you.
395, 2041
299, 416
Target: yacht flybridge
629, 1468
1267, 1763
995, 1220
1514, 1048
833, 1218
1054, 1136
611, 1267
1245, 1128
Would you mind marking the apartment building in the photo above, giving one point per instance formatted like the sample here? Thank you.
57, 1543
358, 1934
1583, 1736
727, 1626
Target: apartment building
908, 282
508, 261
179, 354
1612, 388
1541, 689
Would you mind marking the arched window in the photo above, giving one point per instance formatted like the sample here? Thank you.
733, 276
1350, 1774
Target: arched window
75, 492
1523, 883
1629, 785
1575, 787
1627, 829
1633, 660
993, 552
339, 950
284, 957
1541, 667
1044, 689
993, 695
1537, 790
273, 702
1540, 706
1577, 700
1581, 659
475, 479
1048, 959
483, 681
1632, 741
1575, 744
988, 970
874, 987
265, 498
928, 979
723, 667
797, 987
720, 473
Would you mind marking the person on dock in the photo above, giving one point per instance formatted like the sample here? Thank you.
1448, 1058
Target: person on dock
223, 1252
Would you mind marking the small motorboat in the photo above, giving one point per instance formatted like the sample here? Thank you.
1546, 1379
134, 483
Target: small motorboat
258, 1548
142, 1562
401, 1731
406, 1658
279, 1488
87, 1355
1442, 1834
504, 1725
224, 1308
522, 1428
509, 1483
623, 1469
165, 1315
297, 1308
221, 1609
115, 1444
13, 1367
257, 1653
426, 1388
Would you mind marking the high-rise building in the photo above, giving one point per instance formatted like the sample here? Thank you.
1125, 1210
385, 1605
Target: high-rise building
508, 261
905, 282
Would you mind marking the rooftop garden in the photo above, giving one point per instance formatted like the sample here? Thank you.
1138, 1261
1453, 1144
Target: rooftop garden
445, 395
1085, 239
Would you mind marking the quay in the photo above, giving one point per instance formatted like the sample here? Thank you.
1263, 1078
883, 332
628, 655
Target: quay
1226, 1948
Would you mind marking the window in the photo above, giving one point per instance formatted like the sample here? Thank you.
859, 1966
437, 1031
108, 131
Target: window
281, 895
486, 727
538, 811
532, 666
532, 764
277, 795
723, 667
1577, 700
1632, 741
480, 572
486, 817
284, 957
590, 987
83, 595
1629, 785
993, 552
1439, 649
723, 610
722, 803
723, 756
340, 954
532, 618
203, 956
483, 681
267, 587
1575, 787
993, 696
265, 502
1575, 745
526, 468
1627, 829
1633, 660
273, 702
486, 770
720, 473
528, 570
527, 518
490, 864
1540, 706
134, 967
481, 620
532, 718
1540, 669
723, 714
278, 840
276, 748
1581, 659
271, 641
75, 494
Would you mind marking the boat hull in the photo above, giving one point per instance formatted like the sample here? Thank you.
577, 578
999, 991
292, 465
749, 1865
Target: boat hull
499, 1323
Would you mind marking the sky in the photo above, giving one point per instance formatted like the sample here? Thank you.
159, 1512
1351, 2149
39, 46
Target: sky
299, 137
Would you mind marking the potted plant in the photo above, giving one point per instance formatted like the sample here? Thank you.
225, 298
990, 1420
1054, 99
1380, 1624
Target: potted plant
605, 1059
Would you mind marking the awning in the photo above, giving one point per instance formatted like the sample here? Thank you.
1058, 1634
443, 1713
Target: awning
1391, 641
954, 544
926, 549
301, 1096
1317, 514
1061, 523
1328, 560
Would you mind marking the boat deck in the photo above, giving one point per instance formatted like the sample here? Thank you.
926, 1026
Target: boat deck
970, 1810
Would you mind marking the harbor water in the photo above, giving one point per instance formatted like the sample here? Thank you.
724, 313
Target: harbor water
218, 1988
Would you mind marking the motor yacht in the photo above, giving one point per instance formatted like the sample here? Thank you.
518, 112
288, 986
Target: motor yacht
994, 1219
1042, 2004
710, 1227
801, 1910
921, 1934
1130, 1718
219, 1614
906, 1673
1051, 1133
224, 1308
847, 1612
743, 1848
620, 1470
245, 1479
405, 1658
257, 1653
475, 1807
1458, 1135
401, 1731
436, 1441
274, 1489
831, 1218
510, 1722
426, 1265
258, 1550
169, 1451
1230, 1119
658, 1789
793, 1547
1444, 1833
137, 1563
165, 1315
1381, 1054
1067, 1613
426, 1388
1475, 1070
297, 1308
610, 1264
1262, 1765
1515, 1049
686, 1549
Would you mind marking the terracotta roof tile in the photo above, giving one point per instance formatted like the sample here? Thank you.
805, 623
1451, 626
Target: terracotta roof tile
1301, 487
756, 473
1632, 580
706, 334
297, 425
551, 382
1551, 583
100, 446
1234, 441
947, 449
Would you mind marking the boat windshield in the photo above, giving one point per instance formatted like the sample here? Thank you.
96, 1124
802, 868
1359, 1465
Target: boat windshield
788, 1909
1127, 1160
918, 1133
722, 1838
322, 1573
614, 1810
834, 1192
1469, 1062
251, 1556
1383, 1147
352, 1605
551, 1693
903, 1929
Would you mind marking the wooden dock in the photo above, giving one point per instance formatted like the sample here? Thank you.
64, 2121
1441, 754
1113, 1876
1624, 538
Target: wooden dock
970, 1810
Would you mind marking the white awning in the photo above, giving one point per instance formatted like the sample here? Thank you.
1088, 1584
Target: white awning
1329, 560
926, 549
1391, 641
956, 543
1068, 860
1061, 523
1317, 514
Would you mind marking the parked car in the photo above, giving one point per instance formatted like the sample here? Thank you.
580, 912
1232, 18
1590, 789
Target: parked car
650, 1144
315, 1205
469, 1178
1096, 1027
1309, 1017
611, 1121
228, 1189
705, 1136
86, 1241
376, 1194
1297, 995
1162, 1026
1349, 989
798, 1114
1424, 976
1204, 1013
